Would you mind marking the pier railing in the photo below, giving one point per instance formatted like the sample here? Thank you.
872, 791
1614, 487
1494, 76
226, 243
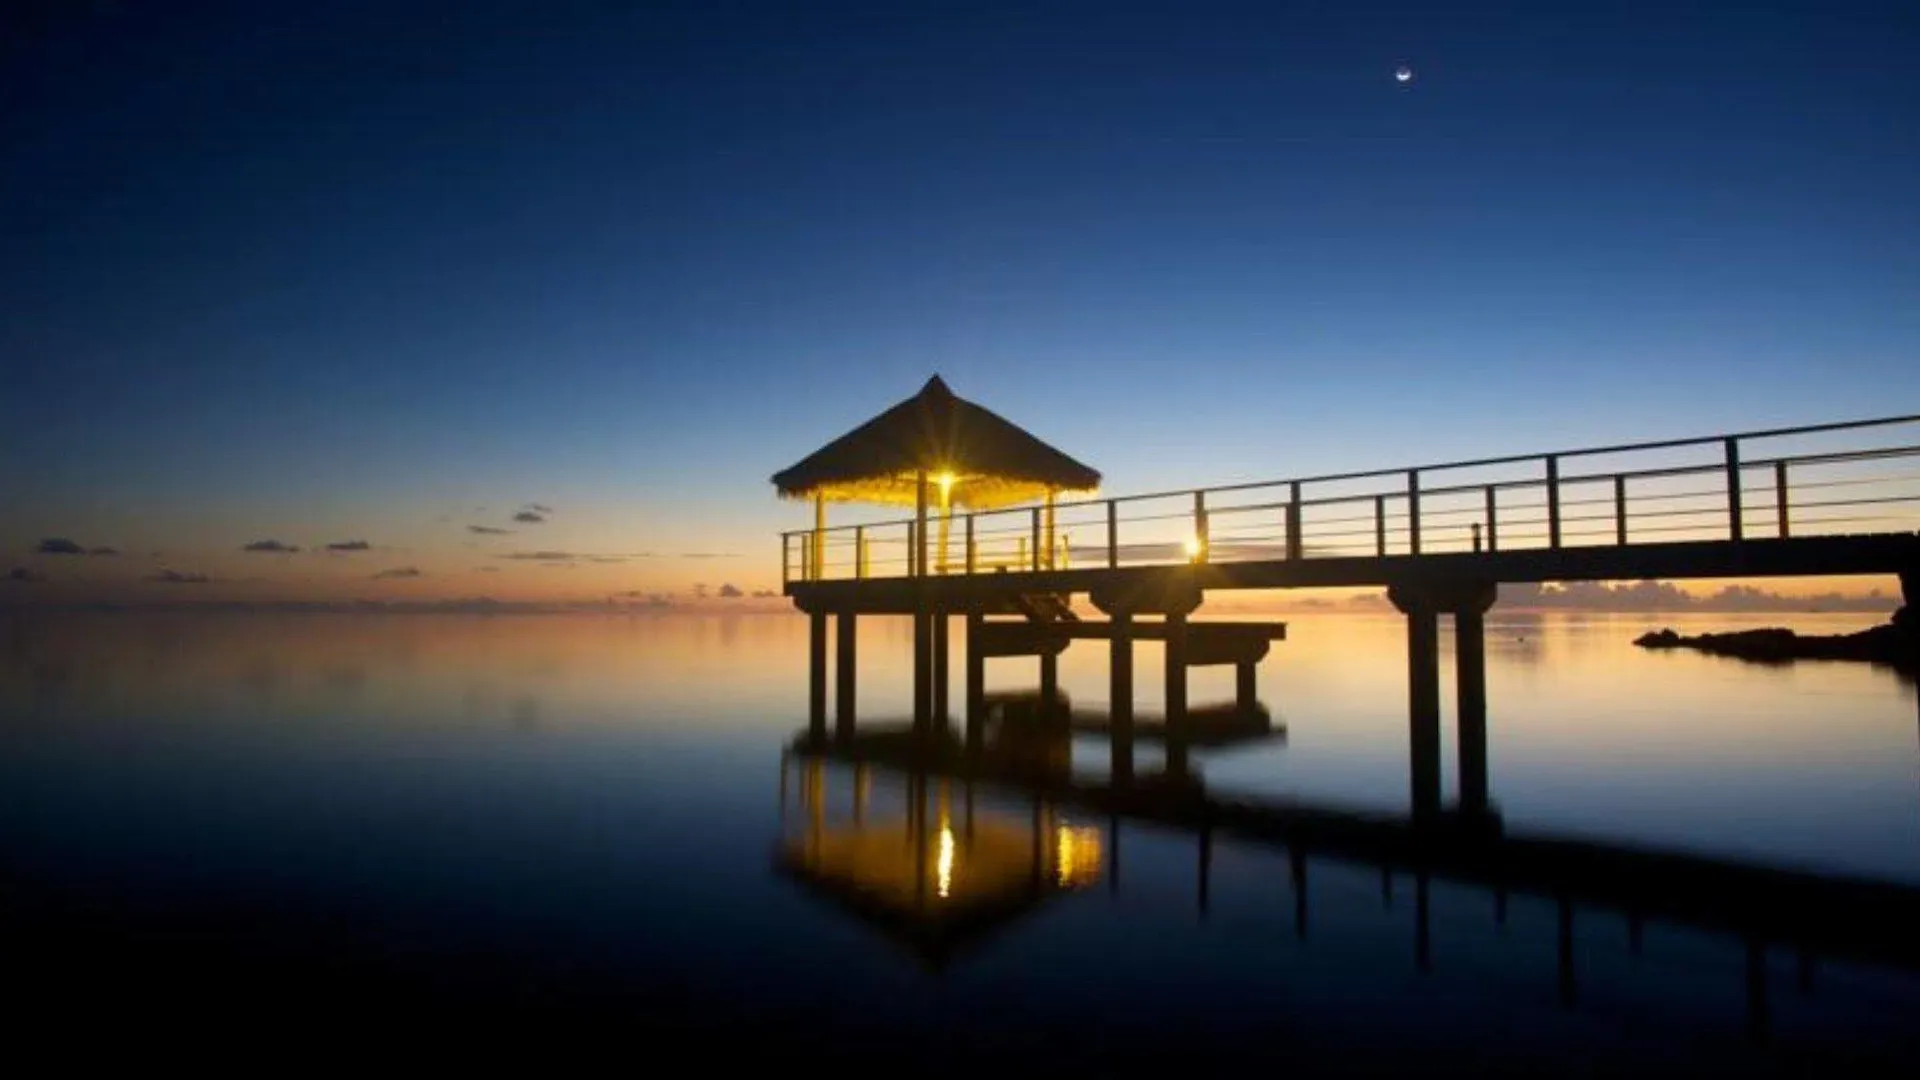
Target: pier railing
1857, 477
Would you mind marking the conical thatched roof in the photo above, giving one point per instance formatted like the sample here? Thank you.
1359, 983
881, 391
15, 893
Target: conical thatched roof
990, 462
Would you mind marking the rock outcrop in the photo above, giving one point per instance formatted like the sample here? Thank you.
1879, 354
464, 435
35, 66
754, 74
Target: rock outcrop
1897, 644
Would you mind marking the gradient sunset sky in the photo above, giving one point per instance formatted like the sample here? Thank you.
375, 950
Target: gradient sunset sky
390, 276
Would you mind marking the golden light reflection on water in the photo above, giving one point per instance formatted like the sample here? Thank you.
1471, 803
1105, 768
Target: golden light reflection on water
945, 866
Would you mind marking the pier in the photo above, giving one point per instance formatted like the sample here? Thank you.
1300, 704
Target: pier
1831, 499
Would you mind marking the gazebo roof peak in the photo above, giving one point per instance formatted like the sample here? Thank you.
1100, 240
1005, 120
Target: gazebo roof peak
984, 460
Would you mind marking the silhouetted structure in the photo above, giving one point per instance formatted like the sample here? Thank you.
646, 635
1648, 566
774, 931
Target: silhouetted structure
1440, 538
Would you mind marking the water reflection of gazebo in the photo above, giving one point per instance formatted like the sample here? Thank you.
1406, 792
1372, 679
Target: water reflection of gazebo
934, 451
939, 872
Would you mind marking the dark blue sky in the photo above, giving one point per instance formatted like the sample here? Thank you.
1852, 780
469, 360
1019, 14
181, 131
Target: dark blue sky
338, 267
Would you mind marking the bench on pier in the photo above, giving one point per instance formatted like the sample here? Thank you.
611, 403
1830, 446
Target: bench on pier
1208, 643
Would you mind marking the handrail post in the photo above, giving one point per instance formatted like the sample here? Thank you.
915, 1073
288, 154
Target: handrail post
913, 550
1113, 534
1493, 521
1733, 488
1380, 526
860, 552
1553, 500
1780, 495
806, 559
1036, 538
973, 553
1413, 511
1295, 548
1200, 536
786, 559
1620, 509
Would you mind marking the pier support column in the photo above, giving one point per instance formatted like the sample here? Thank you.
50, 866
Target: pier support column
817, 675
1049, 680
1470, 659
845, 657
1176, 733
1423, 695
942, 707
922, 670
1246, 691
976, 681
1120, 693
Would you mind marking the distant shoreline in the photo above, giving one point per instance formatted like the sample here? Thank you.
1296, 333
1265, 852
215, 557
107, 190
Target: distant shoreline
1894, 644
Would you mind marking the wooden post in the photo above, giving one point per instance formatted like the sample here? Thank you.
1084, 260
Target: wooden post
1120, 695
786, 559
973, 552
819, 537
920, 525
1200, 530
843, 691
1413, 511
817, 674
1493, 518
1113, 534
1553, 501
1470, 681
1245, 686
1780, 496
1176, 731
1050, 530
976, 682
860, 552
1620, 510
1380, 526
1295, 547
1733, 489
1423, 712
938, 657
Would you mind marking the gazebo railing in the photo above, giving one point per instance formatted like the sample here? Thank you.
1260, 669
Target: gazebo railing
1828, 479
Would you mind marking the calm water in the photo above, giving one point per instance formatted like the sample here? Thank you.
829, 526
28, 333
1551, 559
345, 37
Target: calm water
331, 825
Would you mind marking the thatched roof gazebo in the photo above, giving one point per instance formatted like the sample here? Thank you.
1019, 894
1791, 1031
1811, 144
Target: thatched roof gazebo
933, 448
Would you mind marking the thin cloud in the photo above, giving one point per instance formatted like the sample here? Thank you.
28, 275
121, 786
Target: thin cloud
179, 577
563, 557
764, 594
528, 517
730, 592
709, 554
103, 551
271, 547
349, 545
58, 545
488, 530
489, 569
398, 572
25, 576
538, 509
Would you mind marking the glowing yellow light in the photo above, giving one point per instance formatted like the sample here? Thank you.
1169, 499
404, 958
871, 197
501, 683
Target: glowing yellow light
1194, 547
943, 884
945, 480
1076, 856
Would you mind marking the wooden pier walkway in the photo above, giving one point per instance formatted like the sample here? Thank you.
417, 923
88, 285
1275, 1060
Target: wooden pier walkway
1831, 499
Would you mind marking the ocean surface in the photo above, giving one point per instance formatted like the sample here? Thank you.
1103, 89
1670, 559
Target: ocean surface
473, 831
